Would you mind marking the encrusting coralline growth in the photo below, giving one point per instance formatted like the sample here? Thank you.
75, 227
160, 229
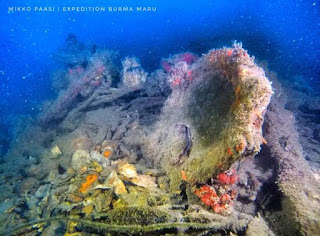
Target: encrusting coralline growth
300, 213
212, 118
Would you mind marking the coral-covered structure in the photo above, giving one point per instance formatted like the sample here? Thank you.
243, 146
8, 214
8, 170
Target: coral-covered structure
298, 184
179, 69
78, 81
132, 153
132, 73
213, 116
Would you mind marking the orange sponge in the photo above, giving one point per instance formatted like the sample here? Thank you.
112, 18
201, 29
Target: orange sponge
89, 181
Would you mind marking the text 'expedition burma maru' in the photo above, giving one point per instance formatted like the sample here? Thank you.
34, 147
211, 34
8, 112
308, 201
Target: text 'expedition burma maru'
83, 9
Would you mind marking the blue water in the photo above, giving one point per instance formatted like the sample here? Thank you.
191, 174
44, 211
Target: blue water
284, 33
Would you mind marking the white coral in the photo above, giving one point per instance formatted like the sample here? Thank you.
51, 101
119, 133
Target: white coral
132, 73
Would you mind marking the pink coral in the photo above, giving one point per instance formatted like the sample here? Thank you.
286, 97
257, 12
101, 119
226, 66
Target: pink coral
188, 57
75, 71
179, 69
166, 66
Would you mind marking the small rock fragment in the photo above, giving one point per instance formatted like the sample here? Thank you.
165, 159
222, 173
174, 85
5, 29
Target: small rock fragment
127, 170
145, 181
74, 198
55, 152
60, 190
87, 209
42, 191
113, 181
80, 158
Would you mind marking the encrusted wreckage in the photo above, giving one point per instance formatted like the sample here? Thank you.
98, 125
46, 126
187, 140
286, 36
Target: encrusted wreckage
126, 152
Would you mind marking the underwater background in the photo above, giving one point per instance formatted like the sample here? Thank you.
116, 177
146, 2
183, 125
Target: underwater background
283, 37
286, 33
